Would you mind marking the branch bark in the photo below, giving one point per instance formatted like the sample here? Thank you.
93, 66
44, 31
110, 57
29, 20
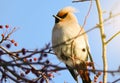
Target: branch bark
103, 39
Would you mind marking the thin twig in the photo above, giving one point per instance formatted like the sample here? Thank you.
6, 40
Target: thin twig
111, 16
56, 67
112, 37
15, 74
88, 13
116, 80
80, 1
8, 35
9, 76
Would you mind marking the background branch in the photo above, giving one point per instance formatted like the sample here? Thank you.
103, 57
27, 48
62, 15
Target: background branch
112, 37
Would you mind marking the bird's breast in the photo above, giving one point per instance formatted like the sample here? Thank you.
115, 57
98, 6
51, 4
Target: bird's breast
69, 49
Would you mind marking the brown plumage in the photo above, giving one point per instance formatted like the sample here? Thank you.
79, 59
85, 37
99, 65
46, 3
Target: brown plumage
74, 53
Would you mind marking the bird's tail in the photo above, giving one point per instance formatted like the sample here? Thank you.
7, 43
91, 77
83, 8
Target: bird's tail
84, 74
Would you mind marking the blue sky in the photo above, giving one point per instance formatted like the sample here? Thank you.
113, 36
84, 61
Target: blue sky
35, 22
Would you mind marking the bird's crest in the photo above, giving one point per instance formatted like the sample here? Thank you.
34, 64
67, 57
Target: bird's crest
65, 10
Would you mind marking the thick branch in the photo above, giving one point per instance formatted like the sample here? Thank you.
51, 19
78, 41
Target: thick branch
101, 27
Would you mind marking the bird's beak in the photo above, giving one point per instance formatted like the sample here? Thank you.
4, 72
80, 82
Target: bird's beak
57, 17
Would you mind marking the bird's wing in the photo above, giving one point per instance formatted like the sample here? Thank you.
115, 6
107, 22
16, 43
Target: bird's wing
89, 54
73, 72
88, 50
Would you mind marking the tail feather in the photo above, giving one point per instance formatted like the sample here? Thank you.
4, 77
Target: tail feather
85, 76
83, 72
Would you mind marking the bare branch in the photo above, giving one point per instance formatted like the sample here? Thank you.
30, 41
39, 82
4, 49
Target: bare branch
9, 76
116, 80
88, 13
101, 27
112, 37
5, 38
15, 74
80, 1
6, 50
111, 16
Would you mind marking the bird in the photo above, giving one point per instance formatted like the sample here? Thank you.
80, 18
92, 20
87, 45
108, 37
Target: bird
70, 45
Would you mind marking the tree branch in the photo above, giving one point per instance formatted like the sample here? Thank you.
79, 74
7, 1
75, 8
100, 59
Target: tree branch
116, 80
103, 39
112, 37
80, 1
9, 76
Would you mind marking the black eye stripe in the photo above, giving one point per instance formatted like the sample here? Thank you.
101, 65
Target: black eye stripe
63, 16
